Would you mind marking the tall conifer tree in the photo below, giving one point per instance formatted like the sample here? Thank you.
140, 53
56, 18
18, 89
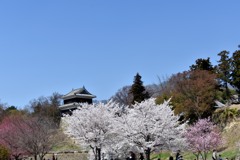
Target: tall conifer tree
235, 81
202, 64
138, 90
224, 71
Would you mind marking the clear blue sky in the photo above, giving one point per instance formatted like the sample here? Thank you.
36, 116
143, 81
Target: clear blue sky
55, 45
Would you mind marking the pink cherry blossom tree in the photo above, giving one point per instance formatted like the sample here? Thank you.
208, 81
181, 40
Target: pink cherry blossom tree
24, 135
38, 135
10, 138
202, 137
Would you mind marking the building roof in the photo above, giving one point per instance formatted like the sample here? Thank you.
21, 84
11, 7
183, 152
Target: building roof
69, 106
79, 93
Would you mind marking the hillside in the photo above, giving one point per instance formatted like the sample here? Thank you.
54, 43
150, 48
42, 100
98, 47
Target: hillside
231, 136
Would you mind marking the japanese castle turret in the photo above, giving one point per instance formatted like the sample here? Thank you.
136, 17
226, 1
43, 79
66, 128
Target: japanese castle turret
73, 99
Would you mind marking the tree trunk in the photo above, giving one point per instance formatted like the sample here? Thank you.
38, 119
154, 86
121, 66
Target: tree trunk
16, 157
98, 153
197, 155
147, 153
148, 150
205, 155
35, 157
227, 91
41, 156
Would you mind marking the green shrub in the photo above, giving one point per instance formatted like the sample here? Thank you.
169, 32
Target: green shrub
4, 153
223, 117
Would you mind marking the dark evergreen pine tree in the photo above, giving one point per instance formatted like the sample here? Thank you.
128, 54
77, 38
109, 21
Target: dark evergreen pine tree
235, 76
138, 90
224, 71
202, 64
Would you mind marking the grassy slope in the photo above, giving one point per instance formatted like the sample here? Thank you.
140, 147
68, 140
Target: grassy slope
231, 135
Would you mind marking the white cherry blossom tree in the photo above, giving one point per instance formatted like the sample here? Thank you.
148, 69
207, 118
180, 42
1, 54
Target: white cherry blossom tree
150, 127
116, 130
91, 126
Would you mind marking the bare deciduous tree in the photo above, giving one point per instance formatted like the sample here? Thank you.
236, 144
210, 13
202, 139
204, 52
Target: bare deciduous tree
29, 135
123, 96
